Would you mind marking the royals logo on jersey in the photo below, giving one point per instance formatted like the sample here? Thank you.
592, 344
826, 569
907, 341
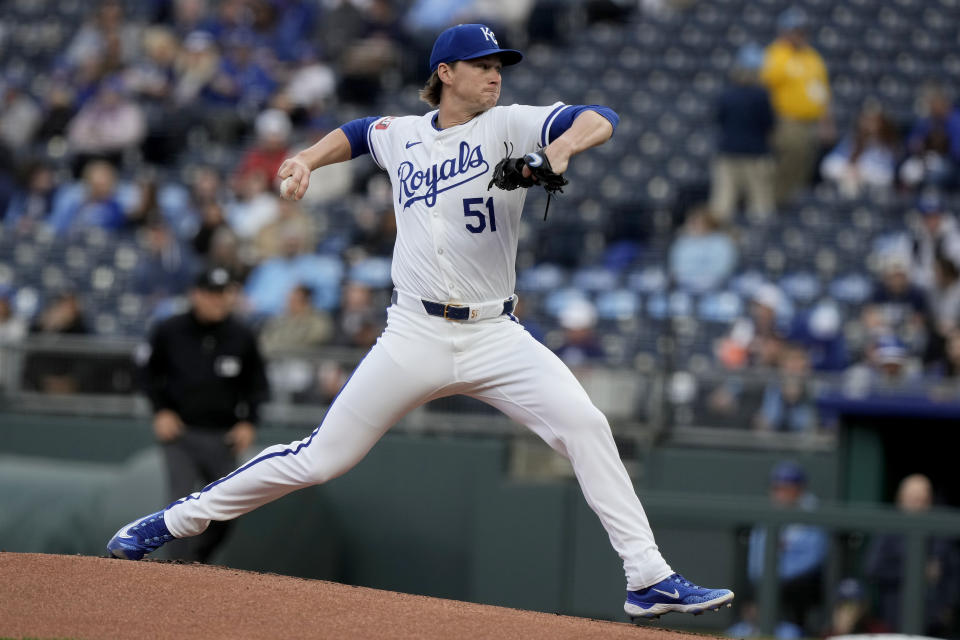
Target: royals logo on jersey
417, 184
452, 231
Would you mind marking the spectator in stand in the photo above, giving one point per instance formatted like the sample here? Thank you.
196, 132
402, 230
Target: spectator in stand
165, 267
195, 69
702, 256
270, 149
851, 613
231, 16
143, 206
186, 205
292, 26
151, 81
32, 203
366, 60
885, 559
256, 206
55, 373
945, 297
947, 365
312, 85
743, 165
788, 401
13, 329
94, 204
820, 331
933, 145
796, 76
885, 364
802, 549
186, 16
756, 340
212, 220
270, 282
105, 37
580, 345
107, 125
225, 251
242, 82
897, 306
58, 110
361, 318
291, 219
63, 315
510, 17
936, 233
20, 115
866, 159
374, 232
301, 326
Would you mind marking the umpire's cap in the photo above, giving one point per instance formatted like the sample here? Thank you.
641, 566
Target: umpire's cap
215, 279
467, 42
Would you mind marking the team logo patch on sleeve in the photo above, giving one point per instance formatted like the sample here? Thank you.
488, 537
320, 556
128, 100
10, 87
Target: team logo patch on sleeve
383, 124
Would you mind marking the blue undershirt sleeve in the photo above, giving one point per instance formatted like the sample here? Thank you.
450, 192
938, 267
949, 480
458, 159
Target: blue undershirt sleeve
565, 118
356, 132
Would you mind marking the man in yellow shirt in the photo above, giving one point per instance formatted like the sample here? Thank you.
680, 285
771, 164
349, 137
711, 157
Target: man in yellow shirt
796, 77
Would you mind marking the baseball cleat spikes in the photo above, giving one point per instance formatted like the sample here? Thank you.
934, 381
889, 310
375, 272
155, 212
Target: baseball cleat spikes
640, 620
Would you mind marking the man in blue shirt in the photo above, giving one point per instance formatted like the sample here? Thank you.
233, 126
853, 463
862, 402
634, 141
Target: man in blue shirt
802, 548
743, 165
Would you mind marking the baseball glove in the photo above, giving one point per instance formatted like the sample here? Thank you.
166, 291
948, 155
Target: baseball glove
508, 174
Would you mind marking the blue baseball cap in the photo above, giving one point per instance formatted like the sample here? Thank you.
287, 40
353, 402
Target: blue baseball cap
788, 472
792, 18
930, 202
467, 42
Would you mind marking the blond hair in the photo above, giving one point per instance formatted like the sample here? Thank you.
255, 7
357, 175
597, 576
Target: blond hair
433, 89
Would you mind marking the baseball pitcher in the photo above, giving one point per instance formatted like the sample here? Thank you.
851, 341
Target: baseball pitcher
457, 197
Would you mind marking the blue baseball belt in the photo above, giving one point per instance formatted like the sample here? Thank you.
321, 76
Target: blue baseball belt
460, 312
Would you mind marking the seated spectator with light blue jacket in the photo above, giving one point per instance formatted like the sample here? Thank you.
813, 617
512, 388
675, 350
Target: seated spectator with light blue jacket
703, 256
802, 549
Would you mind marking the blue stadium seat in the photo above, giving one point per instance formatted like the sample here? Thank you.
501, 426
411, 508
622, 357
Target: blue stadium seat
676, 304
618, 304
541, 278
720, 307
649, 280
851, 288
373, 272
558, 300
802, 287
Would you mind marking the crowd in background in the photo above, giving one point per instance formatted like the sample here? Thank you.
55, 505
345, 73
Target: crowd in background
164, 123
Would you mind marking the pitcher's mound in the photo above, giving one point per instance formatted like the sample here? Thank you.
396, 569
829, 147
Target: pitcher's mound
53, 596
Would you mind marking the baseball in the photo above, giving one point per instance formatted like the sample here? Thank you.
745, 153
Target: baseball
288, 188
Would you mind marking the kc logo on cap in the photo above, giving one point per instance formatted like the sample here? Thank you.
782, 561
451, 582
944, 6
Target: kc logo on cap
467, 42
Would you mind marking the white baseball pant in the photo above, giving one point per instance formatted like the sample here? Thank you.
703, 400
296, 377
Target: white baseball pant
421, 358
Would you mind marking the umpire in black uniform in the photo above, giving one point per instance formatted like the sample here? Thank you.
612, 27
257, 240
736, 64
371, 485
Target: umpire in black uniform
205, 378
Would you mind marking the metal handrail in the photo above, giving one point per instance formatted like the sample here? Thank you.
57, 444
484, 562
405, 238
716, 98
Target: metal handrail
729, 512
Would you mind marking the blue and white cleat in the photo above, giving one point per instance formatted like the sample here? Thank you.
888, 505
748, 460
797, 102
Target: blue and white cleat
140, 537
674, 594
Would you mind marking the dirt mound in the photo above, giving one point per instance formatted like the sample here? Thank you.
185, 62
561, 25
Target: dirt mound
47, 596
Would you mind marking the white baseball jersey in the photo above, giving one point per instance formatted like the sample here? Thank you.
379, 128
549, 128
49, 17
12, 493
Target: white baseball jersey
456, 239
